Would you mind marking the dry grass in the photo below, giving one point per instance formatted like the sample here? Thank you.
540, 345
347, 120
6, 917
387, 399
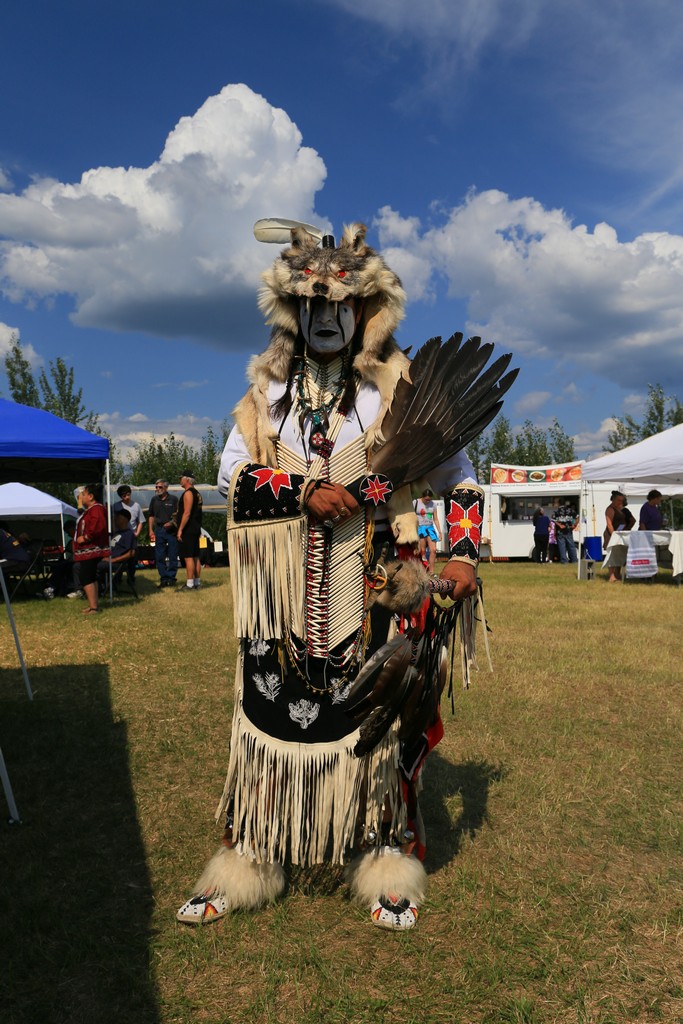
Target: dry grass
553, 809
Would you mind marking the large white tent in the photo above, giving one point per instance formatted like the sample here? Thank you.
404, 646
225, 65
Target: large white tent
657, 460
20, 501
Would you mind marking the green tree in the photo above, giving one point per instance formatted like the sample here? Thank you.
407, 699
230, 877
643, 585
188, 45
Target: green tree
208, 458
22, 384
477, 453
500, 442
531, 446
165, 458
55, 391
661, 412
60, 396
561, 443
161, 459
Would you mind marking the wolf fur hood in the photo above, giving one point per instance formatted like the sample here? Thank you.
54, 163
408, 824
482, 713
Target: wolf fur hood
305, 270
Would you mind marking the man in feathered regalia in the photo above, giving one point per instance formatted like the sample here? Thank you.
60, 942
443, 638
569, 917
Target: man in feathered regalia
342, 633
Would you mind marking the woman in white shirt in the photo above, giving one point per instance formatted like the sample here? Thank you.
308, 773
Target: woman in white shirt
428, 527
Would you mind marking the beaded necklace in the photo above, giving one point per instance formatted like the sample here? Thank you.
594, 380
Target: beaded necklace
329, 381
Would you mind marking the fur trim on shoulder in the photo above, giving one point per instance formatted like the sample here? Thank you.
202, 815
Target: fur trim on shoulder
383, 872
253, 421
243, 884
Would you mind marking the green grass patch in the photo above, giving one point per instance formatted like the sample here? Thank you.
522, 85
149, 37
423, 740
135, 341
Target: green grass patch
553, 810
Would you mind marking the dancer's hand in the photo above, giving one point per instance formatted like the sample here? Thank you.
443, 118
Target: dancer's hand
464, 576
330, 502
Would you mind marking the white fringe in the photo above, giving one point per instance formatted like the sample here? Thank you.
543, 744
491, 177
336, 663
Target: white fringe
386, 871
244, 884
267, 576
305, 799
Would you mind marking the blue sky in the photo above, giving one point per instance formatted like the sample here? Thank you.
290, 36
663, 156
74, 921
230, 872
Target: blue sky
519, 162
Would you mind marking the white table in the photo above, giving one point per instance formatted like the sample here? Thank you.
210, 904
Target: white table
618, 545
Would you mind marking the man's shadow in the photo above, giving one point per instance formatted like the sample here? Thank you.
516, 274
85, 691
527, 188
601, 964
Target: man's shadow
76, 899
471, 781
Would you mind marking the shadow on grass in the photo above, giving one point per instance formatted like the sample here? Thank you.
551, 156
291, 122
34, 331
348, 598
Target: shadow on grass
471, 781
76, 898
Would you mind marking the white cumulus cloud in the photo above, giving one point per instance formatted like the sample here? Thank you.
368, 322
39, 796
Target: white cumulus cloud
8, 335
530, 403
167, 249
547, 288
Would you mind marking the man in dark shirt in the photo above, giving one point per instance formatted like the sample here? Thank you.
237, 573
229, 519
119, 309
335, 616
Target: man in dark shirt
123, 546
566, 521
17, 558
162, 533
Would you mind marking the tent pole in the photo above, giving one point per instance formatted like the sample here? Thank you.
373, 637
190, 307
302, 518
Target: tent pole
9, 795
8, 606
111, 575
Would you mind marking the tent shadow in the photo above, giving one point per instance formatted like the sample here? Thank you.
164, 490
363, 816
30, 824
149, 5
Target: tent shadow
471, 781
76, 902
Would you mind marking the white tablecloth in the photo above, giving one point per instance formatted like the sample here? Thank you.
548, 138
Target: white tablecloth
616, 549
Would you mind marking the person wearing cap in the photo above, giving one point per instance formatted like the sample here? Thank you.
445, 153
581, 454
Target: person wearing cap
314, 534
428, 527
189, 530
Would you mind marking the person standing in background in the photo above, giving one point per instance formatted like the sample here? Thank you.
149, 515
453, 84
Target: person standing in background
428, 528
617, 519
650, 516
541, 528
162, 533
91, 543
137, 517
566, 521
189, 530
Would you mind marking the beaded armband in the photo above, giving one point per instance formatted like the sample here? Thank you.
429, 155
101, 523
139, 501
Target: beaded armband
464, 518
260, 493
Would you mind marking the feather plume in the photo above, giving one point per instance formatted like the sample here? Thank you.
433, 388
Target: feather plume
449, 399
379, 721
366, 678
279, 229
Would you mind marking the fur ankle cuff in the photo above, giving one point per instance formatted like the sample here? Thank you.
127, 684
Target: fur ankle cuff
244, 884
386, 871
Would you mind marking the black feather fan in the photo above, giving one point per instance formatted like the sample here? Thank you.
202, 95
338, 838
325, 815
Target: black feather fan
449, 399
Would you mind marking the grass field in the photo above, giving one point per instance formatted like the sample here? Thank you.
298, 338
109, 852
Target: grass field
553, 809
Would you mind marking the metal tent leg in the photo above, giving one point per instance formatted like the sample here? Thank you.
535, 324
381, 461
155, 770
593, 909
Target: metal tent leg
8, 606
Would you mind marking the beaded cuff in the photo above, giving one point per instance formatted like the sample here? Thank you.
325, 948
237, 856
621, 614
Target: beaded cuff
464, 518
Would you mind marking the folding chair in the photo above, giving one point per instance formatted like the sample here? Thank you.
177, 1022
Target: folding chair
32, 570
129, 568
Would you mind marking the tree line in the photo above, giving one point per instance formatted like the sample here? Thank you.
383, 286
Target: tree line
530, 445
55, 391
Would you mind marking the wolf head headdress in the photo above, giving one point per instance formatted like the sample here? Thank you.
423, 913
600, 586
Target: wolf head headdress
306, 270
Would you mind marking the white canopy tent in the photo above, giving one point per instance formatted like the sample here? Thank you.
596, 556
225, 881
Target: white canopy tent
658, 460
19, 500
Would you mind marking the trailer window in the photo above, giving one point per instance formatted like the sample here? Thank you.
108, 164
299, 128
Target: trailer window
516, 509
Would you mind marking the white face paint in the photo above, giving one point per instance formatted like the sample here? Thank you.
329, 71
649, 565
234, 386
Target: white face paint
327, 326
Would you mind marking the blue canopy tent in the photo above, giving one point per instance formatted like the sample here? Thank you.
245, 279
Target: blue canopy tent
37, 446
